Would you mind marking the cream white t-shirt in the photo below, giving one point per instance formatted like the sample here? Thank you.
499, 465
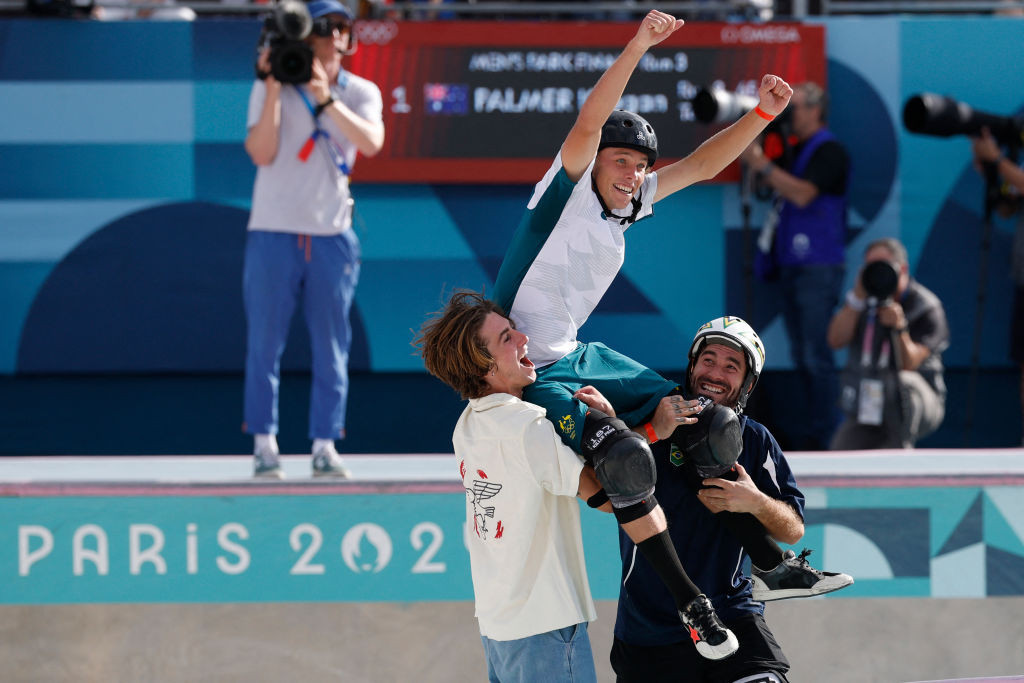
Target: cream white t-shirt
525, 544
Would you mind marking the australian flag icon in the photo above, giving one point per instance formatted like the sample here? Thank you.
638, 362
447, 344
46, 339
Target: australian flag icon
446, 98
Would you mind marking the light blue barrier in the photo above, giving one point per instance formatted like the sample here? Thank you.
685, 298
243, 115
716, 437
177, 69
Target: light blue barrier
898, 541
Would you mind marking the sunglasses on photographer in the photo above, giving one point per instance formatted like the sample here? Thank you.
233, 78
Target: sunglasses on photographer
325, 26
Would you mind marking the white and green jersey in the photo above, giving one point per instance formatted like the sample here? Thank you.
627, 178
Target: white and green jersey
562, 259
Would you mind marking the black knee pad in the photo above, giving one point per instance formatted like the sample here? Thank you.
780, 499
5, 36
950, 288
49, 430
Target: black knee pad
620, 457
712, 445
635, 511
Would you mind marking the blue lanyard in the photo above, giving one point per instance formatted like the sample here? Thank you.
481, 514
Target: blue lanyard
335, 152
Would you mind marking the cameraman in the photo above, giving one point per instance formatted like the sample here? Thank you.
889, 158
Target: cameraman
303, 137
808, 252
986, 150
893, 391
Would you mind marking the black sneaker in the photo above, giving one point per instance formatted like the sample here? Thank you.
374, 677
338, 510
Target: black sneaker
712, 639
795, 578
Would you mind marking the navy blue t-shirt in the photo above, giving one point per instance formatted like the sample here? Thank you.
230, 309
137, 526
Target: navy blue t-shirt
713, 559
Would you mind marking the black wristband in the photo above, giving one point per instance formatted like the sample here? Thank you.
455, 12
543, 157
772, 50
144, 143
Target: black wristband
323, 105
598, 499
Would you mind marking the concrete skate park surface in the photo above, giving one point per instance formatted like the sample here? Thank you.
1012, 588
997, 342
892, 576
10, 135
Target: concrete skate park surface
827, 641
197, 625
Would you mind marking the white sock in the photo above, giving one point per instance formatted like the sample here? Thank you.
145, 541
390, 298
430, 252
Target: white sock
321, 443
265, 441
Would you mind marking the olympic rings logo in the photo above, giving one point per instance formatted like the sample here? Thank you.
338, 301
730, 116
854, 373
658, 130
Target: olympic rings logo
376, 32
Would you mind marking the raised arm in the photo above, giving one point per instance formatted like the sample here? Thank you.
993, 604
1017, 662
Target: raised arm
844, 322
581, 143
721, 149
262, 139
797, 190
367, 136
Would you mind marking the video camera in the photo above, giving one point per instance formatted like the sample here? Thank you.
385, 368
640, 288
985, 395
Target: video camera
285, 30
931, 114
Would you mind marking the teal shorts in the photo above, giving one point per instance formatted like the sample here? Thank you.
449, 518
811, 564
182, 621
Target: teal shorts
632, 389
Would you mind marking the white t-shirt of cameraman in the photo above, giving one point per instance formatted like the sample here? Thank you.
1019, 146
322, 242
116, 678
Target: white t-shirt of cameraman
309, 197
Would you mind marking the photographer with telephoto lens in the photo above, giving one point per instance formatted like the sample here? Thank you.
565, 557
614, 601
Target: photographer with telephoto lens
307, 120
987, 152
803, 245
895, 330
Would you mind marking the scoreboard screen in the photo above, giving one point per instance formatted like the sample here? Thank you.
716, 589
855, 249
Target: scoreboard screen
491, 102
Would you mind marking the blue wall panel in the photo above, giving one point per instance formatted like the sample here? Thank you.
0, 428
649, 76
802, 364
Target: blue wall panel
108, 51
163, 129
77, 171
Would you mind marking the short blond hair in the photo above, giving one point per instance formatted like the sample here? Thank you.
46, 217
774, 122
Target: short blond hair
451, 347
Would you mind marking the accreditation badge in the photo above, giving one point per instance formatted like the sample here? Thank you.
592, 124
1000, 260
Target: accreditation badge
871, 402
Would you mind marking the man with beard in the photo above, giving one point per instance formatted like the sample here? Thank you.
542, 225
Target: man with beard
725, 360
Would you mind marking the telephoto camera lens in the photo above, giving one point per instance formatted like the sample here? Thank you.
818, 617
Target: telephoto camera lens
880, 279
942, 116
717, 106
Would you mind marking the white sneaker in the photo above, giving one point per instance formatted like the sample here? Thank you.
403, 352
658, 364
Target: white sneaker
795, 578
267, 464
327, 463
711, 638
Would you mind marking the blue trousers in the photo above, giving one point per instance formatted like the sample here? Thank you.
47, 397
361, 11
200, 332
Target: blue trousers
560, 656
280, 269
810, 295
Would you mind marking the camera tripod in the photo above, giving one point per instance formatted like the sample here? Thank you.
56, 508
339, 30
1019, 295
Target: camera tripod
993, 194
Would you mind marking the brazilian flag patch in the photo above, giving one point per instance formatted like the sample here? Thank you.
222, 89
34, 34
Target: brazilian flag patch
675, 456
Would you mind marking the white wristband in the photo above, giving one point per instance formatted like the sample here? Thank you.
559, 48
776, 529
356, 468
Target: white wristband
855, 302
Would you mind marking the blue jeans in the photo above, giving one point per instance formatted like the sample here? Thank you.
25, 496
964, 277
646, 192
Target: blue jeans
809, 297
281, 268
562, 655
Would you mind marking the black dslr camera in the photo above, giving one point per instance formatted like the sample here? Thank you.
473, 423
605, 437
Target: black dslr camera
285, 30
880, 279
